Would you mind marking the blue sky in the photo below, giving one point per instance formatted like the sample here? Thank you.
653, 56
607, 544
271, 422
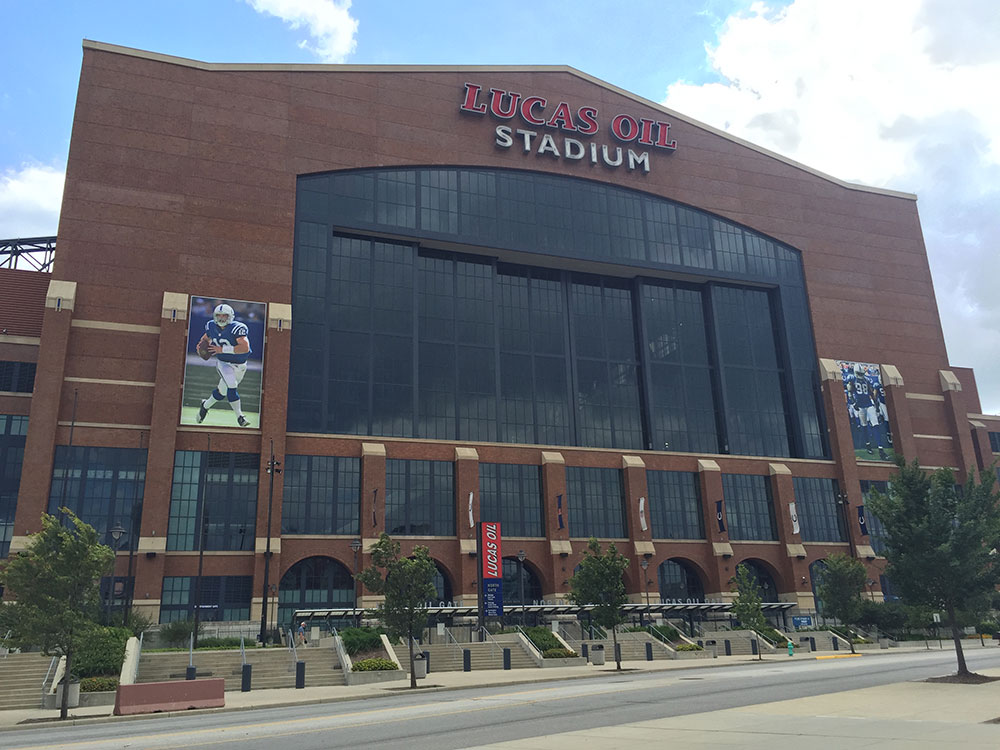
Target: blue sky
891, 93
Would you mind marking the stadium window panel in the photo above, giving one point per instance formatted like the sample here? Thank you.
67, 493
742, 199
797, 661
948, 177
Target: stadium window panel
995, 442
749, 510
17, 377
675, 505
322, 495
512, 495
102, 486
214, 494
595, 502
419, 498
876, 531
13, 433
819, 514
220, 598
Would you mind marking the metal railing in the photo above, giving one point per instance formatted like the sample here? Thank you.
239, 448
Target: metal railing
488, 638
564, 634
292, 650
450, 639
531, 643
48, 674
5, 643
243, 652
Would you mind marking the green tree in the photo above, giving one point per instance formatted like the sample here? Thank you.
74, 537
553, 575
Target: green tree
56, 585
407, 583
941, 541
598, 582
840, 588
746, 605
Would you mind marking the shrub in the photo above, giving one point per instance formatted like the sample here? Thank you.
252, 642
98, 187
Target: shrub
773, 635
138, 623
374, 665
98, 684
669, 632
688, 647
178, 632
219, 643
543, 639
558, 653
102, 652
358, 640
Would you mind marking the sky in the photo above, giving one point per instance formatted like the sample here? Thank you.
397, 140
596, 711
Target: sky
899, 94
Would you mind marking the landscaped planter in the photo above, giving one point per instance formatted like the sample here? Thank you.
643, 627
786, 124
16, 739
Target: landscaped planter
693, 654
575, 661
101, 698
54, 700
370, 678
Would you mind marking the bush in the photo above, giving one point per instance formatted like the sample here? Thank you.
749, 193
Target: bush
178, 632
987, 628
138, 623
359, 640
102, 652
219, 643
98, 684
773, 635
374, 665
669, 632
543, 639
558, 653
860, 641
688, 647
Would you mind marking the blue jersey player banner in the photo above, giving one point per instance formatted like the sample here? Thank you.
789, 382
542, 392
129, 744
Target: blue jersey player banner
223, 367
867, 410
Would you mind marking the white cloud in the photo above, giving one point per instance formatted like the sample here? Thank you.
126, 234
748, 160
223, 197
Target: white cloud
29, 201
893, 93
330, 26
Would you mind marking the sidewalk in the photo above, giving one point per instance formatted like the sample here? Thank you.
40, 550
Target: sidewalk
900, 702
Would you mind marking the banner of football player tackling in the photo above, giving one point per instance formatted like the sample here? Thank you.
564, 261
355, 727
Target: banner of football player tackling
223, 367
866, 407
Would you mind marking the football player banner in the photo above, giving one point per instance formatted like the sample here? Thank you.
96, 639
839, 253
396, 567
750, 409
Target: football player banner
224, 363
866, 407
491, 557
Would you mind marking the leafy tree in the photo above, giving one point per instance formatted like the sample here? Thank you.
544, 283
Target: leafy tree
56, 582
746, 605
407, 583
840, 589
598, 581
941, 541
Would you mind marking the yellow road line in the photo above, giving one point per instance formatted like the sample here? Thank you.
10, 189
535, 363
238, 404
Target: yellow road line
838, 656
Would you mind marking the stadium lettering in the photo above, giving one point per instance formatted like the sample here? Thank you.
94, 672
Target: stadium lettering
538, 112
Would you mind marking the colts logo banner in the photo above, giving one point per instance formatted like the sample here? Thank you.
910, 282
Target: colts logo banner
720, 516
795, 518
862, 523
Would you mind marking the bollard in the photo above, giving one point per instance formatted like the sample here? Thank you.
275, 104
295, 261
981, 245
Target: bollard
466, 660
245, 678
584, 652
753, 646
649, 651
300, 675
729, 648
836, 645
506, 658
190, 673
812, 644
427, 660
618, 652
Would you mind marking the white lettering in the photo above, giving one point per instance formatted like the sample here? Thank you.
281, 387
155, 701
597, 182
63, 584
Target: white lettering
527, 135
548, 145
607, 159
503, 137
635, 160
574, 149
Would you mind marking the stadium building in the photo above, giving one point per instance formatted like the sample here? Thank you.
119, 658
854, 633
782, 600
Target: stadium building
433, 296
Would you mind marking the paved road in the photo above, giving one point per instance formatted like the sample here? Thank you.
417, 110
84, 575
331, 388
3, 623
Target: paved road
464, 718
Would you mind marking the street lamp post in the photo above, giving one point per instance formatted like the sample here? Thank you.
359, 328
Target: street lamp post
355, 547
202, 520
273, 467
645, 582
116, 532
520, 579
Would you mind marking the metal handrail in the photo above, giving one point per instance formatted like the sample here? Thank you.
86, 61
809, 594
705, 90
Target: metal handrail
488, 638
48, 673
531, 643
243, 652
449, 637
565, 635
291, 648
5, 641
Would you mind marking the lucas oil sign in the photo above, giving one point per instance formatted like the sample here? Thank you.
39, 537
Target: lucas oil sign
492, 561
556, 130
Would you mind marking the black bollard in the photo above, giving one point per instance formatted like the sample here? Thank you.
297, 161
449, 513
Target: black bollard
427, 660
649, 651
618, 652
584, 652
729, 648
812, 643
190, 673
245, 679
753, 646
300, 675
506, 658
466, 660
836, 646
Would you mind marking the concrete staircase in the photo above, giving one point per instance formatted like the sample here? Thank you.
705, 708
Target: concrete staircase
21, 678
824, 640
448, 657
633, 647
272, 667
739, 642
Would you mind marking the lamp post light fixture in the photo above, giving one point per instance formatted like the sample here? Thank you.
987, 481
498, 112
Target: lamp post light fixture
272, 467
644, 564
355, 548
520, 579
116, 532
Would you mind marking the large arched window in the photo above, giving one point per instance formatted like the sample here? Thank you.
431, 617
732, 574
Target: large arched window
768, 588
442, 585
513, 576
314, 583
679, 580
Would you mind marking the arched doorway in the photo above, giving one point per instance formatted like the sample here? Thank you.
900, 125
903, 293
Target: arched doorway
768, 588
314, 583
678, 579
442, 585
816, 570
513, 574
